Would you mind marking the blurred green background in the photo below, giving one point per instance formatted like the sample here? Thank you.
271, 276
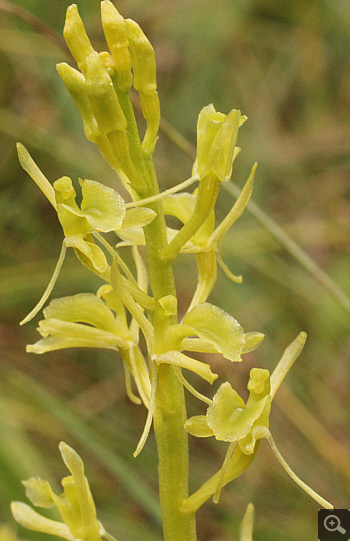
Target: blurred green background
285, 65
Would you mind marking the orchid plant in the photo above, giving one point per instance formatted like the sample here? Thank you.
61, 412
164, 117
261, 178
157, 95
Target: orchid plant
127, 305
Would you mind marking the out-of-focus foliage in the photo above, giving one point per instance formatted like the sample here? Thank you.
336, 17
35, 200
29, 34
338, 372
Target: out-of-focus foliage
284, 65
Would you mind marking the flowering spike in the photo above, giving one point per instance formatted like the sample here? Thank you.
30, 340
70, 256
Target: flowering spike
101, 93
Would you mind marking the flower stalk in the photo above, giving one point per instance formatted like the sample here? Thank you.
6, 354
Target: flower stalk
126, 306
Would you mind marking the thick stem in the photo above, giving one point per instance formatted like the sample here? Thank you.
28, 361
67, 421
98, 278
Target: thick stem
170, 408
169, 418
170, 411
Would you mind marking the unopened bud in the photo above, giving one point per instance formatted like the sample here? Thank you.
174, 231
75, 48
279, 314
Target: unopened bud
142, 57
103, 98
75, 84
151, 112
75, 36
216, 142
114, 28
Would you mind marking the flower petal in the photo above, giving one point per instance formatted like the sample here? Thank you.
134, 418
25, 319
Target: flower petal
114, 29
73, 223
217, 327
75, 35
137, 217
90, 255
33, 171
86, 503
221, 414
198, 426
179, 359
28, 518
207, 273
251, 341
222, 151
180, 205
82, 308
237, 465
53, 343
39, 492
102, 206
286, 362
235, 212
239, 424
208, 124
78, 332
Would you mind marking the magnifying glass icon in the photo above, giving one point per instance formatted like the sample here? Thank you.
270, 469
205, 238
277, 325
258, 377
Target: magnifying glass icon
332, 524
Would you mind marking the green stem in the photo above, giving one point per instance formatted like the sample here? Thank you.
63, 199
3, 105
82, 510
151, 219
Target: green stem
170, 408
169, 419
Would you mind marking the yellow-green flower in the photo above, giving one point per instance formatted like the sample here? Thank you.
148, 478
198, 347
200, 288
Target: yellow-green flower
216, 331
216, 142
102, 210
243, 426
75, 505
81, 320
85, 320
229, 419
